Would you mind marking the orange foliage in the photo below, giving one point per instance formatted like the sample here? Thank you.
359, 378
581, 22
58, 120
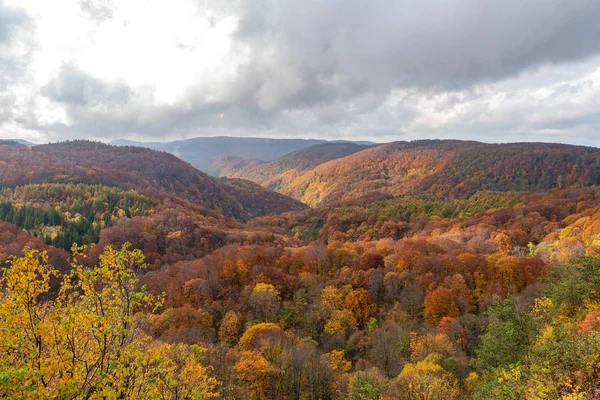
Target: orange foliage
440, 303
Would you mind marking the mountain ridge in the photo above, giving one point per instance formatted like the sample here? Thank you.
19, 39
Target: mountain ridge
442, 168
203, 151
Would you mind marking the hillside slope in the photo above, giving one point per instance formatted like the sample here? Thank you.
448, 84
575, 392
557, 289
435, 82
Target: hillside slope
445, 169
232, 166
259, 201
157, 174
279, 173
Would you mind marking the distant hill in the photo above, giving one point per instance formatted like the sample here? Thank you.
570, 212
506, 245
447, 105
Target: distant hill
279, 173
439, 169
232, 166
20, 141
203, 151
157, 174
365, 142
26, 142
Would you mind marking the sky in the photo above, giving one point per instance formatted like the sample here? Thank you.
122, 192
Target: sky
379, 70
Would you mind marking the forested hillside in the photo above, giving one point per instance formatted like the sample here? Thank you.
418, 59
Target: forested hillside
66, 214
258, 201
430, 270
155, 174
441, 169
279, 173
231, 166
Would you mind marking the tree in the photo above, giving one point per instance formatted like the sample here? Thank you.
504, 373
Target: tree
339, 321
183, 375
427, 380
182, 324
259, 333
390, 347
572, 286
230, 328
371, 261
255, 371
264, 300
333, 298
506, 338
440, 303
411, 299
359, 302
366, 385
338, 362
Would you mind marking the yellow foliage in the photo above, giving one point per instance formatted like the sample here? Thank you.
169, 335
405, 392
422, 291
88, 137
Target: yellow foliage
254, 370
333, 298
255, 332
241, 269
545, 334
265, 288
427, 380
422, 367
422, 346
88, 342
338, 362
230, 328
573, 396
512, 375
341, 319
542, 305
471, 380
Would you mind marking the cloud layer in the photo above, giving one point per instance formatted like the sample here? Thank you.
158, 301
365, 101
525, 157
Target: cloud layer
380, 70
14, 57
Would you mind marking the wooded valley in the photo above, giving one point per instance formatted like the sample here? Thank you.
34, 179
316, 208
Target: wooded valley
408, 270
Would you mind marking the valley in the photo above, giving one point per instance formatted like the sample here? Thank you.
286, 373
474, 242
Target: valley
336, 271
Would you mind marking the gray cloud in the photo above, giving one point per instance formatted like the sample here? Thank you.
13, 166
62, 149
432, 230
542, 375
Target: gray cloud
76, 88
102, 109
311, 51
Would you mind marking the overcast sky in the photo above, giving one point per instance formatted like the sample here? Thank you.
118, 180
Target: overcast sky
489, 70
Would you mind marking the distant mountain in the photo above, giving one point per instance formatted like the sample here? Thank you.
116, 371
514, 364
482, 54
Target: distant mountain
437, 169
26, 142
365, 142
203, 151
125, 142
20, 141
149, 172
279, 173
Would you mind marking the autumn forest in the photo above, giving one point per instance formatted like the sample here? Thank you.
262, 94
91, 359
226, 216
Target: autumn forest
424, 270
